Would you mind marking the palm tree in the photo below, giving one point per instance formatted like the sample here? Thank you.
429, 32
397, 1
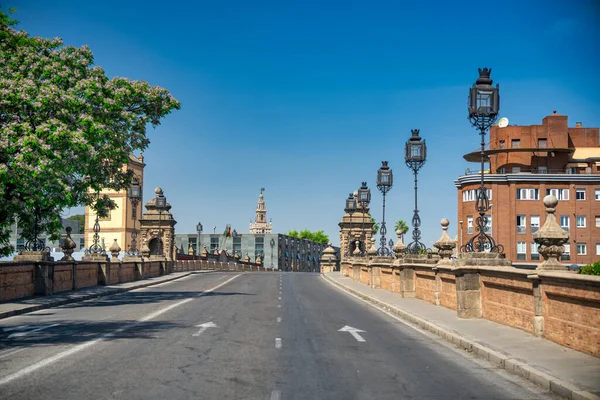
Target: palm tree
402, 227
375, 225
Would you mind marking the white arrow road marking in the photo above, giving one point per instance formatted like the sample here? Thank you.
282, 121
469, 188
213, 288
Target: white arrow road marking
204, 327
277, 343
353, 332
26, 330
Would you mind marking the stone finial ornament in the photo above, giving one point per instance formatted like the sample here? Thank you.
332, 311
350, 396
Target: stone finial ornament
247, 258
258, 260
372, 249
204, 252
399, 248
551, 238
68, 246
329, 254
445, 244
236, 255
190, 251
115, 249
356, 251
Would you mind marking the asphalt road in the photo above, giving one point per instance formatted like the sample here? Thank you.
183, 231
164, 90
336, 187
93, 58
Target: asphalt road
237, 336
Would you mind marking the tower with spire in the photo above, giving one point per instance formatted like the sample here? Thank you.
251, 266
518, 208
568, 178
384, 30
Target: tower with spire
260, 224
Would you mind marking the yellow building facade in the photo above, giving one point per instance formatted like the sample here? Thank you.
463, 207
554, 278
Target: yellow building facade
120, 221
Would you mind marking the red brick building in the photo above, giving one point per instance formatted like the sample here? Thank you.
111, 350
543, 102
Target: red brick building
525, 164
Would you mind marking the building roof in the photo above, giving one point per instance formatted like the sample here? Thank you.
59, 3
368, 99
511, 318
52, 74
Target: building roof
586, 153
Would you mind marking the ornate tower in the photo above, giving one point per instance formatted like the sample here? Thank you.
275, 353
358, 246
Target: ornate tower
260, 224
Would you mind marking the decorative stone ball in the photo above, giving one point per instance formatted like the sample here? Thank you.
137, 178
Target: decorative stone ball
445, 222
69, 229
550, 201
158, 190
398, 232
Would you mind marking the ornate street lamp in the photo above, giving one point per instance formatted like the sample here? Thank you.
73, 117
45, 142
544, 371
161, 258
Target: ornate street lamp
484, 103
96, 248
384, 184
36, 244
415, 157
199, 241
350, 209
272, 243
135, 196
161, 203
364, 198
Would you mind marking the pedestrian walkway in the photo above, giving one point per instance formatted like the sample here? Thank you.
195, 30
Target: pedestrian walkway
30, 304
559, 369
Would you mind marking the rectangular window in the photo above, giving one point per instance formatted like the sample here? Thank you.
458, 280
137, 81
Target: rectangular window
20, 244
521, 251
502, 170
580, 194
81, 243
597, 221
542, 170
214, 243
564, 222
528, 194
237, 245
580, 221
502, 144
521, 224
534, 223
597, 194
598, 249
560, 194
516, 170
469, 225
542, 143
515, 144
581, 249
535, 256
566, 256
571, 170
259, 246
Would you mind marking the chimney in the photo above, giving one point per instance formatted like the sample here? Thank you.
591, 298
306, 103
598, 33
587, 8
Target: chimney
577, 124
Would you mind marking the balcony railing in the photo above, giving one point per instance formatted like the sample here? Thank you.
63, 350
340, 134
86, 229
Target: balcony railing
469, 171
521, 229
521, 256
534, 229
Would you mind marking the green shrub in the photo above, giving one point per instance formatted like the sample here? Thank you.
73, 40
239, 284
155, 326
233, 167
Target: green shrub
591, 269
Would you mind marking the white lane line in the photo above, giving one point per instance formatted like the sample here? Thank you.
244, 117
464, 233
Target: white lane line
83, 346
32, 329
278, 319
275, 395
277, 343
278, 305
11, 352
279, 298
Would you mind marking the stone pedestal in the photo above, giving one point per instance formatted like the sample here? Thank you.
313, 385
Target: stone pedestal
551, 239
468, 293
41, 256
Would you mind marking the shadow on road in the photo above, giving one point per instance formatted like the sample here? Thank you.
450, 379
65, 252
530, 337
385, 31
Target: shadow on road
75, 332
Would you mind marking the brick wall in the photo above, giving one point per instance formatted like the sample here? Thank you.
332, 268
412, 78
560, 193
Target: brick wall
572, 314
87, 275
425, 285
386, 278
508, 300
16, 282
447, 290
114, 273
63, 278
128, 271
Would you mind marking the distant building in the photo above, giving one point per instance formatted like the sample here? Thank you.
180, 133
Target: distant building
525, 164
275, 250
19, 243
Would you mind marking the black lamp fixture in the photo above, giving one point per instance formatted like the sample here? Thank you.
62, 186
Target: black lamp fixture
134, 193
415, 157
364, 198
484, 104
161, 203
385, 180
199, 229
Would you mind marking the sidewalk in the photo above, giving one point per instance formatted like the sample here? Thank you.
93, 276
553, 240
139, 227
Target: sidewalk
556, 368
30, 304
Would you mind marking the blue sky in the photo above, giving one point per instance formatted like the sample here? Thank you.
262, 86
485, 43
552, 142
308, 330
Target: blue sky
306, 98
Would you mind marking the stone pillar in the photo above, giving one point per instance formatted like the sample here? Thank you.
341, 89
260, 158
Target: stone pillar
157, 224
551, 239
328, 260
468, 293
407, 282
538, 306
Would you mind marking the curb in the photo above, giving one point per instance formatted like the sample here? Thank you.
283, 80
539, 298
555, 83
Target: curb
542, 379
106, 292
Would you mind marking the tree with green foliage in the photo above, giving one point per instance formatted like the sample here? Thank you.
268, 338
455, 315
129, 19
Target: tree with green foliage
402, 227
319, 236
66, 130
590, 269
80, 218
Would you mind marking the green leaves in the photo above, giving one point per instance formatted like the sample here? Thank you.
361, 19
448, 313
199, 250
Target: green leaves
66, 129
319, 236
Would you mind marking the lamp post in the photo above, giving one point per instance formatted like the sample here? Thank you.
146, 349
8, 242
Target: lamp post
384, 184
199, 241
95, 248
161, 203
272, 243
364, 198
36, 244
135, 196
484, 103
415, 157
350, 209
